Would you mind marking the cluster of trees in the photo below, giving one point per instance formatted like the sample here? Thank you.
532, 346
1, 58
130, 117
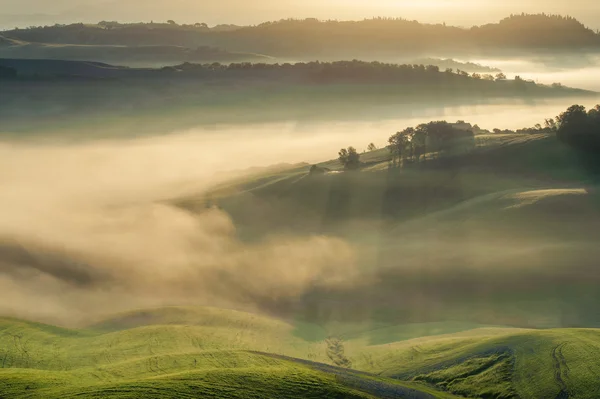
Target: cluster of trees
439, 137
343, 71
349, 158
532, 30
413, 143
383, 35
109, 25
118, 25
449, 63
578, 128
115, 33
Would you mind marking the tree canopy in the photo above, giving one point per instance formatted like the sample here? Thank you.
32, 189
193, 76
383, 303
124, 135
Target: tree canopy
579, 128
434, 137
349, 158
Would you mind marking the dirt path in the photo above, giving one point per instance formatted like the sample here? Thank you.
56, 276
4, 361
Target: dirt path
561, 371
360, 380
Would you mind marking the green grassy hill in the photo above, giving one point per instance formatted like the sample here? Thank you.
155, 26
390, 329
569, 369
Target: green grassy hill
180, 352
494, 363
198, 352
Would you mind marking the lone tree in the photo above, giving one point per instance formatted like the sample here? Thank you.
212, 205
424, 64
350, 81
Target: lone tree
371, 147
350, 158
335, 352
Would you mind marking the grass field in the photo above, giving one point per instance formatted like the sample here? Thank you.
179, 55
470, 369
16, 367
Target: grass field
208, 352
179, 352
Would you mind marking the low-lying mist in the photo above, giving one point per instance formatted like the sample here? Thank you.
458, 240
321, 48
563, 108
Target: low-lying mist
582, 72
88, 228
85, 229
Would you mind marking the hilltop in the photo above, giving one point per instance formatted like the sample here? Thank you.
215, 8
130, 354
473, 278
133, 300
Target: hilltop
378, 38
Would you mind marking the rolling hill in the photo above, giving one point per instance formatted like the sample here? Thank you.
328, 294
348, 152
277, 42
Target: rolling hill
141, 55
187, 352
198, 351
378, 38
51, 94
443, 239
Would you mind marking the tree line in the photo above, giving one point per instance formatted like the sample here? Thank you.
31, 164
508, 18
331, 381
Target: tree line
440, 137
354, 70
412, 144
577, 127
335, 39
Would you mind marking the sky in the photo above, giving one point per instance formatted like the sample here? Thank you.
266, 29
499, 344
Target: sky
456, 12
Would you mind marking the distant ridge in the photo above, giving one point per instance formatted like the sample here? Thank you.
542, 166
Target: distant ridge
379, 38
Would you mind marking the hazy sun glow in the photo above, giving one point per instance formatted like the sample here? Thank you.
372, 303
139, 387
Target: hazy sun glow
458, 12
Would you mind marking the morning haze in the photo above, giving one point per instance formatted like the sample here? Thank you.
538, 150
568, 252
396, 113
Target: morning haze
378, 199
458, 12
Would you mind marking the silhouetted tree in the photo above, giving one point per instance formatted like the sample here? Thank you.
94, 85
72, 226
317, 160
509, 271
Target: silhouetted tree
550, 124
399, 145
349, 158
336, 353
579, 128
419, 143
371, 147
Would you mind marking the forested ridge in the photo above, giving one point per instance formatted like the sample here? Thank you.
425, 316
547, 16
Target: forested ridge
332, 38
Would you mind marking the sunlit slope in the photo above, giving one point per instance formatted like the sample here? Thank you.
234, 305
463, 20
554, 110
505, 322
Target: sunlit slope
153, 333
131, 336
501, 166
497, 363
193, 352
189, 352
277, 379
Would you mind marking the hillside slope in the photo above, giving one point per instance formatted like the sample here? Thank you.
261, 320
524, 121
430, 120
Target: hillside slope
209, 351
443, 240
527, 364
378, 38
147, 56
498, 168
54, 94
202, 351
